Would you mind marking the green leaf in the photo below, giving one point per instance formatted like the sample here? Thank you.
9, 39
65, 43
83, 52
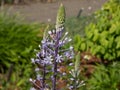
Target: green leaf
83, 46
20, 82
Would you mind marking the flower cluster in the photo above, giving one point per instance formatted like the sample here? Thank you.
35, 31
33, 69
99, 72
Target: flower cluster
52, 54
75, 82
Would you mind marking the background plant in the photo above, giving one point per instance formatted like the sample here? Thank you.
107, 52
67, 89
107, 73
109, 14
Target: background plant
102, 38
75, 79
17, 40
105, 77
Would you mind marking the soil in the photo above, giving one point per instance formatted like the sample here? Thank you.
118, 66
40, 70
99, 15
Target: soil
44, 12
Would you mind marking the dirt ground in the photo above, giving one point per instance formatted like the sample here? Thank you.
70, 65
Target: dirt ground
44, 12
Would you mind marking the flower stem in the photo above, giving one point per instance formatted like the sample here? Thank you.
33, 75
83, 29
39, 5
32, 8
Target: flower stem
55, 65
75, 80
44, 74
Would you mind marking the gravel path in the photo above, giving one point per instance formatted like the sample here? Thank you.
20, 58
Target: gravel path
42, 12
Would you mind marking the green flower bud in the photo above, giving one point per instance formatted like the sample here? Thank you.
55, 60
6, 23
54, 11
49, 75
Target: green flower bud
77, 62
60, 20
45, 35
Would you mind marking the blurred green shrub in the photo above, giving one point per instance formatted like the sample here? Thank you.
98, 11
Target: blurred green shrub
105, 78
103, 38
17, 43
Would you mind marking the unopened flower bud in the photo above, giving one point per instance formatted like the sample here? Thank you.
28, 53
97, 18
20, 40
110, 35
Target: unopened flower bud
49, 32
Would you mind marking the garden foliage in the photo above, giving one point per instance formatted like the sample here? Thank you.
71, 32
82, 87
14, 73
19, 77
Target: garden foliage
17, 40
103, 37
105, 77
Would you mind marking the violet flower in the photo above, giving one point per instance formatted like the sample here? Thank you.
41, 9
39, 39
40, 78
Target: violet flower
52, 53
